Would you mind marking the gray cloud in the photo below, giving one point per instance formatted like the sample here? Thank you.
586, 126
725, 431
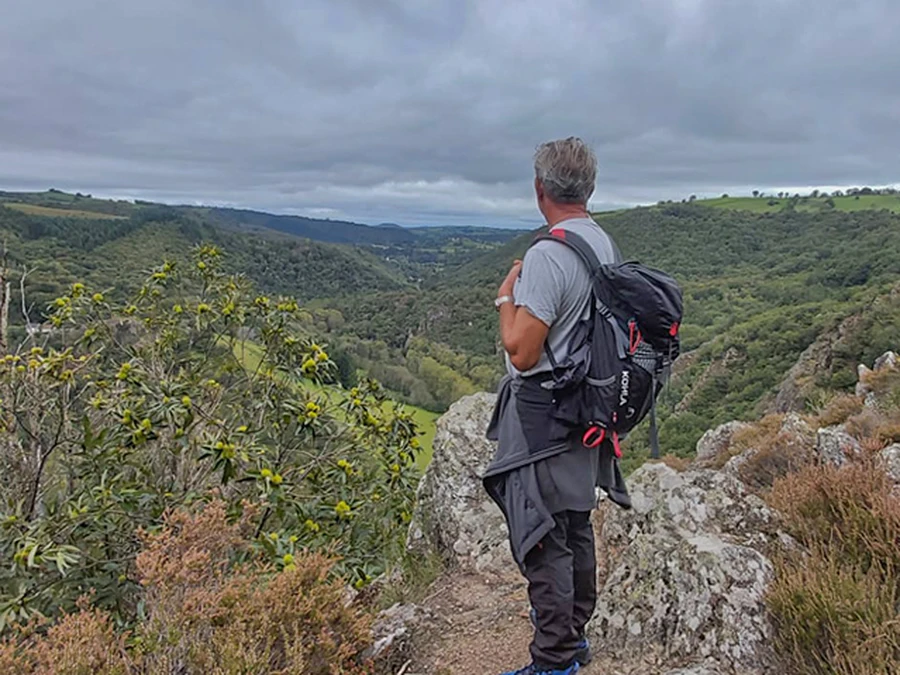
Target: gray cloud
428, 111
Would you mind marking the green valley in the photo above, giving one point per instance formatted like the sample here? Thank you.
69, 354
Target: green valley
764, 278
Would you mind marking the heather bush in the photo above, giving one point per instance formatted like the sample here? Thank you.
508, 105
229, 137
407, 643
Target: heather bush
752, 436
776, 456
834, 603
127, 412
838, 409
208, 612
880, 426
210, 606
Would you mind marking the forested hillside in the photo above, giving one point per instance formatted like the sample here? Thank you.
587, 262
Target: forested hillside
759, 289
56, 239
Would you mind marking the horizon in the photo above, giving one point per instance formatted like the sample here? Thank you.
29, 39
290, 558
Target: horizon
519, 224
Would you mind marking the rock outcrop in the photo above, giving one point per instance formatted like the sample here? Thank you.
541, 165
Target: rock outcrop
686, 577
455, 518
835, 446
815, 362
716, 441
685, 571
891, 457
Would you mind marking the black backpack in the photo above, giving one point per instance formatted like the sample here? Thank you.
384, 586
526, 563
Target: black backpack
621, 357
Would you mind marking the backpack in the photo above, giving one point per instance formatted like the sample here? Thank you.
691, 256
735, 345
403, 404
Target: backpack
624, 350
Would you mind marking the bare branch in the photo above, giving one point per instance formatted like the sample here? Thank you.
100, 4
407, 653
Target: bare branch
25, 273
4, 302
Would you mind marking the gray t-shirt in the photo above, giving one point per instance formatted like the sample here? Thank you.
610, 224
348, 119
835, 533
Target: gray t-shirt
555, 287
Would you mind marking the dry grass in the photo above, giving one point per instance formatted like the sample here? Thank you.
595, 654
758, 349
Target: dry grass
675, 462
883, 383
875, 425
838, 409
207, 613
834, 606
776, 456
749, 437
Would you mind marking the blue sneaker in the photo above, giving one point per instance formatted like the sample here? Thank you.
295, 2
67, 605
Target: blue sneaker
537, 670
583, 656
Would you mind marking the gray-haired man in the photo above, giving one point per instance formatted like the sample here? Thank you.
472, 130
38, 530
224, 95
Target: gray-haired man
543, 479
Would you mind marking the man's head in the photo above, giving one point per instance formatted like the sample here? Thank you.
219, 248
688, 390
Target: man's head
564, 175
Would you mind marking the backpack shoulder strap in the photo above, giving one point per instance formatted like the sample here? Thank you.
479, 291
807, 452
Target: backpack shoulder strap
578, 244
587, 254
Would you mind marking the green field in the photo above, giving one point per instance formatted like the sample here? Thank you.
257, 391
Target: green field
812, 204
250, 354
46, 211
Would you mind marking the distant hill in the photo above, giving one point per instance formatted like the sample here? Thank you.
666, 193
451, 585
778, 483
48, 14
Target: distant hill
333, 231
55, 203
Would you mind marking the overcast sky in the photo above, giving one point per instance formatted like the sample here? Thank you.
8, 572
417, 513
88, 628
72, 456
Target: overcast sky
428, 111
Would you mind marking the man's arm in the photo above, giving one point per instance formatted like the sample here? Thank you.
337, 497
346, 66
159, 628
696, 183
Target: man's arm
522, 333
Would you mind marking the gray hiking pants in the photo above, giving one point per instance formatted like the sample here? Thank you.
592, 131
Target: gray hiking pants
562, 587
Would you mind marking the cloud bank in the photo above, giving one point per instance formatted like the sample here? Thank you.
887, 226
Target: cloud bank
428, 112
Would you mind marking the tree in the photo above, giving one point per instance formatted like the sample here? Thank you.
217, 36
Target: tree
692, 198
756, 193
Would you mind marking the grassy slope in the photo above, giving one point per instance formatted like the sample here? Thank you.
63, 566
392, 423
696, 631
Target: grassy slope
249, 354
52, 212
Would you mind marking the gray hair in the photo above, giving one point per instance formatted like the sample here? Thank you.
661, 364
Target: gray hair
567, 169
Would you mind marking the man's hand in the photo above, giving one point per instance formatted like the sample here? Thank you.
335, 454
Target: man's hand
509, 283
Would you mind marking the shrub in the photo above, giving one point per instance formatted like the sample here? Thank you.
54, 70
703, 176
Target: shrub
884, 382
215, 614
752, 436
83, 643
834, 603
211, 606
831, 618
838, 409
776, 456
127, 412
882, 427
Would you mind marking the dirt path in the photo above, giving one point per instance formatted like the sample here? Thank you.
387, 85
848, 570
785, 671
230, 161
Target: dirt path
481, 628
481, 625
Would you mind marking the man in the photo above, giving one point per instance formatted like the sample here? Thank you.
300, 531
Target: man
542, 477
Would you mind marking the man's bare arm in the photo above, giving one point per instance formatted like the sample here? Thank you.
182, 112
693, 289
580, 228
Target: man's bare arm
521, 333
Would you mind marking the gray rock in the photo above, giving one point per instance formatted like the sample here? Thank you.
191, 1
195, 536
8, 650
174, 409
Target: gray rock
683, 582
887, 361
695, 670
834, 445
454, 516
862, 375
795, 425
891, 457
716, 441
393, 633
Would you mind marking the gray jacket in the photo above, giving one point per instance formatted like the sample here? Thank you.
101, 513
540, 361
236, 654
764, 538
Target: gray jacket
526, 432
